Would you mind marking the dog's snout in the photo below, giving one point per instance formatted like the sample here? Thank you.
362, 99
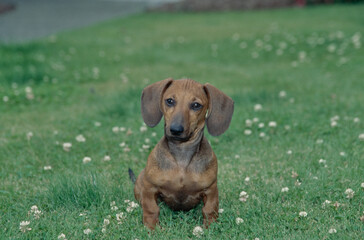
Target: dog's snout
176, 129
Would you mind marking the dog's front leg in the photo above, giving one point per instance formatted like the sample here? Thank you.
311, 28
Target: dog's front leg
150, 208
211, 205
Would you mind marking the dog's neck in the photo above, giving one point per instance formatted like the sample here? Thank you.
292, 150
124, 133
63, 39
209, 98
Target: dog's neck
184, 151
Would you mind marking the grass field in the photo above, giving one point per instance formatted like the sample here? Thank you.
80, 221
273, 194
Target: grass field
299, 69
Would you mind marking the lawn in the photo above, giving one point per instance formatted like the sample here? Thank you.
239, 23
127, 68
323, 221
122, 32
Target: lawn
295, 144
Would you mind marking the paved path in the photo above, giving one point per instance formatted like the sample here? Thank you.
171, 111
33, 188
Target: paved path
34, 19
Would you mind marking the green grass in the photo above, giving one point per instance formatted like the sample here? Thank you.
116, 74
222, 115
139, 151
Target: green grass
96, 74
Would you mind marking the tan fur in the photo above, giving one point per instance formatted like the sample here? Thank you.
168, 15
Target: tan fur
182, 170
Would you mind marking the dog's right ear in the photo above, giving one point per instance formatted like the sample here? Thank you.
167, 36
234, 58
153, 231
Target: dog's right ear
151, 99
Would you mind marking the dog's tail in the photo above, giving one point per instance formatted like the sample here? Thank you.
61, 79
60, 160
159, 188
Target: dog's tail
132, 176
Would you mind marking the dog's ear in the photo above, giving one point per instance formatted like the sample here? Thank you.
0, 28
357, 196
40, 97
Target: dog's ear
220, 112
151, 99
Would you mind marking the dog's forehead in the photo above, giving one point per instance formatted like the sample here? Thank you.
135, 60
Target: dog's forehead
186, 87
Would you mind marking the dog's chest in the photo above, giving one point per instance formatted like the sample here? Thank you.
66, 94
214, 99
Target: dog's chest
181, 190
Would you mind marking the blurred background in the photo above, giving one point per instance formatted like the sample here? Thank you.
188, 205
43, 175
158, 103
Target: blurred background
23, 20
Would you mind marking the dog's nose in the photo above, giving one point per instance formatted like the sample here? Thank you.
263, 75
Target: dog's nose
176, 129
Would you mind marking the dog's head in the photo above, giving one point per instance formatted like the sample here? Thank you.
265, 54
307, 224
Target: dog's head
186, 106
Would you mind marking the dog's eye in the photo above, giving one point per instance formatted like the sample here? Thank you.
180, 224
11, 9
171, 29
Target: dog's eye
170, 102
196, 106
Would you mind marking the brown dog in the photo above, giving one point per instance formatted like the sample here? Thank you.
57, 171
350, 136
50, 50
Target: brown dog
182, 168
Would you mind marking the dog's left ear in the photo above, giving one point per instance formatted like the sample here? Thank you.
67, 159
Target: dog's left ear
150, 102
220, 112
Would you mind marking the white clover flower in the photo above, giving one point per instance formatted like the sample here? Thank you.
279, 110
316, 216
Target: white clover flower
243, 196
86, 160
221, 210
24, 226
147, 140
132, 206
29, 135
154, 134
323, 161
282, 94
103, 230
262, 134
302, 55
97, 124
35, 211
145, 146
112, 203
356, 120
361, 137
332, 230
303, 214
327, 202
285, 189
107, 158
126, 201
28, 89
120, 217
349, 193
197, 231
319, 141
122, 129
258, 107
248, 123
362, 185
255, 119
114, 208
247, 179
237, 156
80, 138
287, 127
247, 132
5, 98
143, 128
335, 118
333, 124
289, 152
106, 222
62, 236
343, 154
261, 125
115, 129
87, 231
297, 183
46, 168
331, 48
123, 144
67, 146
239, 220
272, 124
